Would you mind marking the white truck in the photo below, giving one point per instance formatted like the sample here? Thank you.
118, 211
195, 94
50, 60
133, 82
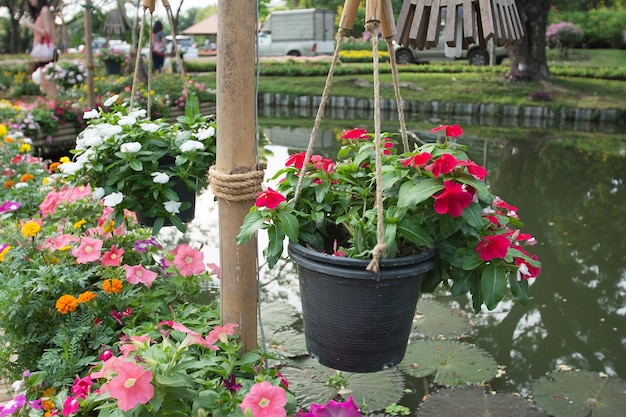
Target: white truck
300, 32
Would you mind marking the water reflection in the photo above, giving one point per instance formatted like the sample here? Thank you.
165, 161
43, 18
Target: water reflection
572, 196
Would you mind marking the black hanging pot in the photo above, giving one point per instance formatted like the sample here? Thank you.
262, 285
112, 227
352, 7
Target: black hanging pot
113, 66
356, 320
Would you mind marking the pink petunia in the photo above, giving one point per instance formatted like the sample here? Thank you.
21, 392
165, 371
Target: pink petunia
492, 247
81, 387
221, 333
112, 257
191, 338
452, 199
131, 386
50, 203
265, 400
88, 250
70, 406
188, 261
335, 408
133, 343
137, 273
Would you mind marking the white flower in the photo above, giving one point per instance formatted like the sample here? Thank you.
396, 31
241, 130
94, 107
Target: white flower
191, 145
172, 206
91, 114
139, 114
206, 133
160, 177
127, 121
98, 193
111, 100
113, 199
150, 127
130, 147
108, 130
21, 185
70, 167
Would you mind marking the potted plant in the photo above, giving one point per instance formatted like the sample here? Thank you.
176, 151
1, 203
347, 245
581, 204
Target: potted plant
151, 167
112, 59
437, 208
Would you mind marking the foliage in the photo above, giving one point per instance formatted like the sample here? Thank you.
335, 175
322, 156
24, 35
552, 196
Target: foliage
107, 54
563, 35
603, 27
66, 74
433, 197
135, 163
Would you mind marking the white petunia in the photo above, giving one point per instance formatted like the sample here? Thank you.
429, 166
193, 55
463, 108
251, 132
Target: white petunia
150, 127
127, 121
113, 199
70, 167
139, 114
108, 130
130, 147
111, 100
98, 193
206, 133
192, 145
160, 177
91, 114
172, 206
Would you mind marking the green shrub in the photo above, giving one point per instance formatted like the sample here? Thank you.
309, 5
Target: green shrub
602, 27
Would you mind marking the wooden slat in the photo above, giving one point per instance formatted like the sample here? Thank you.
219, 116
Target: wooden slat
469, 23
486, 29
420, 24
404, 19
434, 25
348, 16
482, 42
518, 22
450, 31
385, 16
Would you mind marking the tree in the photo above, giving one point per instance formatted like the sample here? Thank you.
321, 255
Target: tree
528, 55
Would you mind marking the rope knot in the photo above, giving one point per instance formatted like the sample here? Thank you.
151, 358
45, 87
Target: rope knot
377, 253
242, 184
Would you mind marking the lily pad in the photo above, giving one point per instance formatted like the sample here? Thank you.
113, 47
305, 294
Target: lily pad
434, 320
581, 394
287, 344
278, 315
473, 401
453, 363
308, 380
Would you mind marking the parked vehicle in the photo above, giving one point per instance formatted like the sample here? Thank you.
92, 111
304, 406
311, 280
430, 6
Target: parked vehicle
185, 44
303, 32
474, 54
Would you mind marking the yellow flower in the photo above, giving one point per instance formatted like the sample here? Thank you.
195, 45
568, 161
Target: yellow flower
64, 248
86, 297
66, 304
4, 252
3, 130
30, 229
79, 223
25, 147
112, 286
64, 160
45, 181
108, 227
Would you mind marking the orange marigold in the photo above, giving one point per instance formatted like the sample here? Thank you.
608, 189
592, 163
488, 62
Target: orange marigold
66, 304
86, 297
54, 166
8, 184
112, 285
27, 177
8, 139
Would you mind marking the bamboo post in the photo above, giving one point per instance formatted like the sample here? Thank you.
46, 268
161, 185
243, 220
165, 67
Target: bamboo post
91, 100
236, 150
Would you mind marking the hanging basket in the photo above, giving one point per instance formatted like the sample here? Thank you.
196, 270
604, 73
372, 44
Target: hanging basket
356, 320
113, 66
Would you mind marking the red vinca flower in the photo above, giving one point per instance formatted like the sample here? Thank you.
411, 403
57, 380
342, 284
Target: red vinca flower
445, 164
451, 131
269, 198
474, 169
355, 134
296, 160
417, 160
492, 247
453, 199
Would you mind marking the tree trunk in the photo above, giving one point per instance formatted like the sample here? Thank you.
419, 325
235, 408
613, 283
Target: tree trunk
528, 55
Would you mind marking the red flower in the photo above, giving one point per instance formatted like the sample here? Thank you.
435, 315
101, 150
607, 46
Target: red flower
387, 146
296, 160
445, 164
451, 131
417, 160
269, 198
474, 169
453, 199
524, 269
355, 134
491, 247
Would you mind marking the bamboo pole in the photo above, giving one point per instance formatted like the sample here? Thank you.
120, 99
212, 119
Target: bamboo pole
236, 148
91, 100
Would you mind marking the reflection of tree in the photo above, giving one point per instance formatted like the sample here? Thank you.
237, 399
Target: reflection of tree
573, 202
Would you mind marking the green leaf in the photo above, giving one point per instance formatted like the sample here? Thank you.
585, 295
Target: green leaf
519, 289
289, 224
473, 216
412, 194
253, 221
462, 282
493, 285
415, 233
274, 250
434, 320
136, 165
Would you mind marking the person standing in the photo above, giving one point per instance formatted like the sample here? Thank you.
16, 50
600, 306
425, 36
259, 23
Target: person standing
158, 46
43, 33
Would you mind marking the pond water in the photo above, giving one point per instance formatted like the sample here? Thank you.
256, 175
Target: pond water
571, 195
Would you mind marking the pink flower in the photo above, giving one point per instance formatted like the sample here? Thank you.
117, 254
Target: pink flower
269, 198
112, 257
70, 406
192, 338
61, 241
265, 400
109, 368
524, 268
453, 199
188, 261
136, 274
335, 409
492, 247
445, 164
49, 203
81, 387
88, 250
133, 343
131, 386
221, 333
451, 131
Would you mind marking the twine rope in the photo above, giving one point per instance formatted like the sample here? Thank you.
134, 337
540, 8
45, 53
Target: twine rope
396, 89
372, 27
236, 187
137, 60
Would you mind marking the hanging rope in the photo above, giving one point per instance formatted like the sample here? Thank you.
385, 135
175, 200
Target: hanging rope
137, 60
236, 186
341, 33
396, 89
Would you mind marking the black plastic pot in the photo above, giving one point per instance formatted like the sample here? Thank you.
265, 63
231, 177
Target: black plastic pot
113, 66
356, 320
